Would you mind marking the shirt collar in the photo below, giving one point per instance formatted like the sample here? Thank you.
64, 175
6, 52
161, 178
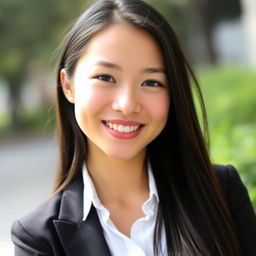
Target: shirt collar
90, 195
152, 183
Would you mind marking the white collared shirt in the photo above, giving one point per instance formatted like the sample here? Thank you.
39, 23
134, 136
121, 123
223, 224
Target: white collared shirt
141, 240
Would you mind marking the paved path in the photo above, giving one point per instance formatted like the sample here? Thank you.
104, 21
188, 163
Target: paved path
27, 169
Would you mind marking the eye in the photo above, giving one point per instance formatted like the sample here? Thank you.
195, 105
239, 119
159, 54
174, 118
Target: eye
152, 83
105, 78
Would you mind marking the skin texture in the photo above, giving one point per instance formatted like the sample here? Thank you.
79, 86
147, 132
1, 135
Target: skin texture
119, 78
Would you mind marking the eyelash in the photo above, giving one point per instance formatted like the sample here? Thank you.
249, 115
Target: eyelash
105, 78
156, 83
109, 79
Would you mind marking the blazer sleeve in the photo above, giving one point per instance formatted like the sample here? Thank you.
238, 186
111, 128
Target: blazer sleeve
24, 243
241, 211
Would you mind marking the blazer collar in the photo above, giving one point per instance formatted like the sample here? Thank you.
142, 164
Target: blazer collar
79, 237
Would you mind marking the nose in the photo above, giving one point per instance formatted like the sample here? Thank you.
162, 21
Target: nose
126, 101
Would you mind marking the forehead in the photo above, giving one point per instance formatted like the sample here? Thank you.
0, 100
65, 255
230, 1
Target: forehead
123, 42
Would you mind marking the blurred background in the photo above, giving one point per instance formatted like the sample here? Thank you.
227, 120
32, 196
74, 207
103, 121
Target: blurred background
219, 39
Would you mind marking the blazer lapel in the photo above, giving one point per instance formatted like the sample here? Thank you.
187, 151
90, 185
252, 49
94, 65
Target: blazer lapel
79, 237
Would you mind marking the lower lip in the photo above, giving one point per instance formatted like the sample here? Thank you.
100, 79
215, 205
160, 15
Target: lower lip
123, 135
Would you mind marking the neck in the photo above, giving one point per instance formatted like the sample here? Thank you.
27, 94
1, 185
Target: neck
116, 179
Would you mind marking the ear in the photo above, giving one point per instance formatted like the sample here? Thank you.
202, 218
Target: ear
67, 87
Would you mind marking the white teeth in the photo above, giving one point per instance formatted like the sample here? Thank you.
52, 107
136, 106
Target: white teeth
122, 128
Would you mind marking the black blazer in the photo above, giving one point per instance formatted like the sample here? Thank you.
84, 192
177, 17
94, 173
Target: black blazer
56, 227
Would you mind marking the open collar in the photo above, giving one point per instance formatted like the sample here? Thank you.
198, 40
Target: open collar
91, 198
77, 236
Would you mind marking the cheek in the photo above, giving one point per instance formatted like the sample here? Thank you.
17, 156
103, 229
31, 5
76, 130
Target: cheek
159, 108
88, 104
88, 95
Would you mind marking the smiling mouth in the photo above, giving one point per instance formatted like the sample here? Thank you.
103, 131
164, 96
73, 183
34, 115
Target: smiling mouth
122, 128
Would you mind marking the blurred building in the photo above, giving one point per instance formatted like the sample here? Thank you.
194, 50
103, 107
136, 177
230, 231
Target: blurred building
230, 43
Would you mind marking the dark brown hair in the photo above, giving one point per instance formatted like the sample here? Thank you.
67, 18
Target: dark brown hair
191, 208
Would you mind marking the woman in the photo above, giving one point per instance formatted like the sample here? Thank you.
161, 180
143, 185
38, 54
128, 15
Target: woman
135, 176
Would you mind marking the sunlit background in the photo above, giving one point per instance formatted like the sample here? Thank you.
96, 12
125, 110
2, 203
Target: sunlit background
219, 39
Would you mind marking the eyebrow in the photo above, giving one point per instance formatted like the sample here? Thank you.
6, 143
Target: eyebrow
146, 70
154, 70
107, 64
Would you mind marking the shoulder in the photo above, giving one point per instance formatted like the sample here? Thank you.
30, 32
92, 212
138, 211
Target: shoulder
37, 227
233, 188
239, 204
225, 172
36, 233
42, 215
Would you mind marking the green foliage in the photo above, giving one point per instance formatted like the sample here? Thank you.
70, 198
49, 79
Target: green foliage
36, 121
4, 121
32, 29
229, 94
175, 14
40, 120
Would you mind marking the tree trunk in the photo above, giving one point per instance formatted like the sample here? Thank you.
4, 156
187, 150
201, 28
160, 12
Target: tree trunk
15, 104
201, 26
205, 14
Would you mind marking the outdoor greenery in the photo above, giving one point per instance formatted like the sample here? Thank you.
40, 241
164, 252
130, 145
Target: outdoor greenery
32, 30
229, 94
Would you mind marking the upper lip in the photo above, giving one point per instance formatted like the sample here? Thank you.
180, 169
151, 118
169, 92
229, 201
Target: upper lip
123, 122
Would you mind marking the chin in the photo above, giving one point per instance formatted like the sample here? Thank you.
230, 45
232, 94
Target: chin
119, 155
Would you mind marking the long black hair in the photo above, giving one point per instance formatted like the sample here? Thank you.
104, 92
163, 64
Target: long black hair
192, 210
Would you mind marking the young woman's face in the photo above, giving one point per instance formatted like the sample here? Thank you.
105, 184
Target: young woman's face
120, 92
